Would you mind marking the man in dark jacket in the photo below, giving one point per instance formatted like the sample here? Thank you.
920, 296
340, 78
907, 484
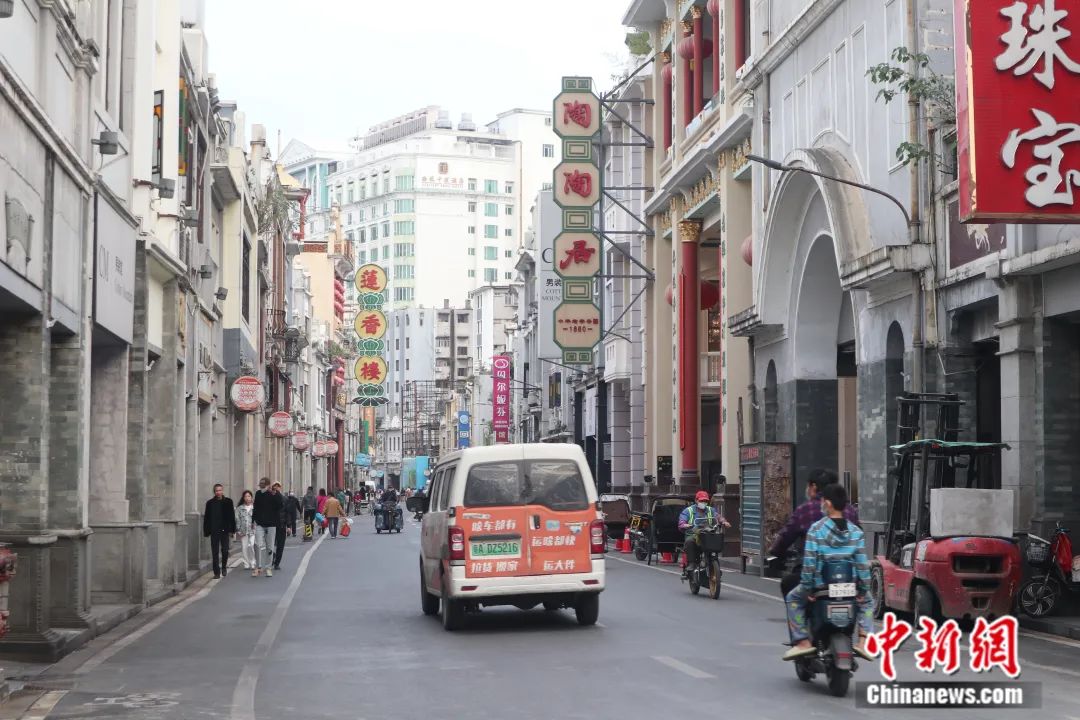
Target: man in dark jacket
309, 505
283, 523
802, 518
292, 511
219, 523
267, 515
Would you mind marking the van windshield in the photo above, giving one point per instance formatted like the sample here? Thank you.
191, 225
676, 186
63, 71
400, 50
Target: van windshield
555, 484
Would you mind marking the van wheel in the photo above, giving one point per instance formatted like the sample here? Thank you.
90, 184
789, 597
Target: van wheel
428, 603
453, 611
587, 609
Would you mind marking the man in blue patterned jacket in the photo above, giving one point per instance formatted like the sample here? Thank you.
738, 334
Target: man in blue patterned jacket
831, 538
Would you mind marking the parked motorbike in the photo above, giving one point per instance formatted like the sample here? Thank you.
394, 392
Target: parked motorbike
832, 617
1055, 572
388, 517
706, 572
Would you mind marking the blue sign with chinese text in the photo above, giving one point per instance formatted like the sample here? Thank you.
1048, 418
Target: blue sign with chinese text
463, 429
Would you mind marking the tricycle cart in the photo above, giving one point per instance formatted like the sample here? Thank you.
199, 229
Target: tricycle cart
658, 531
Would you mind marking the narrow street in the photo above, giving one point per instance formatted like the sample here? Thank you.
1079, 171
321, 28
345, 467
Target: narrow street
339, 634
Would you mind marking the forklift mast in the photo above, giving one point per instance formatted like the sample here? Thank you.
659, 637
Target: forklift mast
911, 477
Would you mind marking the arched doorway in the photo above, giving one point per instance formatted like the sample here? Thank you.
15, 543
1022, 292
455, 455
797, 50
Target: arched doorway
825, 367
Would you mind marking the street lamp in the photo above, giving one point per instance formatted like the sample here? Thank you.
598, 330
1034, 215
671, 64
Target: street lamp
775, 165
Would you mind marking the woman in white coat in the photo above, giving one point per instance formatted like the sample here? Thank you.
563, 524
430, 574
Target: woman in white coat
245, 528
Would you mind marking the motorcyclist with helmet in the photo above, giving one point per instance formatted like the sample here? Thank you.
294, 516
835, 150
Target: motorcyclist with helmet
693, 518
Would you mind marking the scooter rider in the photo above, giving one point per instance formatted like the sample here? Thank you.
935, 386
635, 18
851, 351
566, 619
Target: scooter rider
802, 518
693, 517
830, 539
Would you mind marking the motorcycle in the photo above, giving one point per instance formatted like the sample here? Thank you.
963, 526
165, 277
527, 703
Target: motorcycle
388, 517
1055, 572
832, 618
706, 572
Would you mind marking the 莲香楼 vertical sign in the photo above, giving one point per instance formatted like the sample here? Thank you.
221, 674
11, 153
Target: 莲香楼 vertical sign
577, 252
370, 326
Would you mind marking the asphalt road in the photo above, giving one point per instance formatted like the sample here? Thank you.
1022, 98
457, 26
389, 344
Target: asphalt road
339, 634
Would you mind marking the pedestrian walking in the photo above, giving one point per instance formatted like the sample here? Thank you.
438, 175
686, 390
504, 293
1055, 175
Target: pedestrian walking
267, 514
342, 500
292, 511
245, 529
283, 521
320, 507
333, 512
310, 505
219, 523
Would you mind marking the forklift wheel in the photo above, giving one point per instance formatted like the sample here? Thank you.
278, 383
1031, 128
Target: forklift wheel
877, 591
925, 604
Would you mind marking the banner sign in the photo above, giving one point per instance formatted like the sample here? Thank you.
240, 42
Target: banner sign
1017, 120
500, 397
370, 326
247, 393
280, 424
577, 252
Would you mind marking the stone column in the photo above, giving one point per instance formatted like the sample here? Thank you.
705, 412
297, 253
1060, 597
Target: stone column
666, 69
688, 288
24, 491
686, 82
1016, 310
699, 59
68, 482
164, 448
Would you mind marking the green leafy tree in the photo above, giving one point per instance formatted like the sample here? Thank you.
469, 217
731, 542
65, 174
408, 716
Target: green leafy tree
912, 76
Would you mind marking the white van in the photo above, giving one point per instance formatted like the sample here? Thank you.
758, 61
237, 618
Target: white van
511, 525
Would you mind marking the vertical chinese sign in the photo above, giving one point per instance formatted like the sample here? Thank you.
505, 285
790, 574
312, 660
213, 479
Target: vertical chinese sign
577, 253
1018, 121
370, 327
500, 397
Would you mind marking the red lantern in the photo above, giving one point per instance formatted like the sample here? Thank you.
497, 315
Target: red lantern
713, 6
710, 295
706, 48
666, 72
748, 250
685, 48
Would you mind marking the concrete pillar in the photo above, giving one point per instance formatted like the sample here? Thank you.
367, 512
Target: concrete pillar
24, 493
69, 370
1016, 308
108, 434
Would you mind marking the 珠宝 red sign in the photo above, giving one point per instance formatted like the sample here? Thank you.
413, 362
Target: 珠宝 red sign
1018, 118
500, 396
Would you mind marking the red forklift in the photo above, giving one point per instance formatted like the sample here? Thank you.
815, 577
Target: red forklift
942, 577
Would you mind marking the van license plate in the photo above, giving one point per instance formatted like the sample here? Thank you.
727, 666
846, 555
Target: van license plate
841, 590
496, 549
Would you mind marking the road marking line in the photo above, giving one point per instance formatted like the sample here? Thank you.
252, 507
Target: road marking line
1050, 668
107, 652
731, 585
44, 705
1056, 639
243, 702
683, 667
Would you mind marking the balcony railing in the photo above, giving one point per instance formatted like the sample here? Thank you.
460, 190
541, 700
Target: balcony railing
711, 370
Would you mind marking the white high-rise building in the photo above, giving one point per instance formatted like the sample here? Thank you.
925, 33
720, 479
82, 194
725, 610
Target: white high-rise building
438, 205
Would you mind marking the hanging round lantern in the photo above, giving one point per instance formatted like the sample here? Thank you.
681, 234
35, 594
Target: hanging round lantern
709, 295
666, 72
748, 250
713, 6
685, 48
706, 48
